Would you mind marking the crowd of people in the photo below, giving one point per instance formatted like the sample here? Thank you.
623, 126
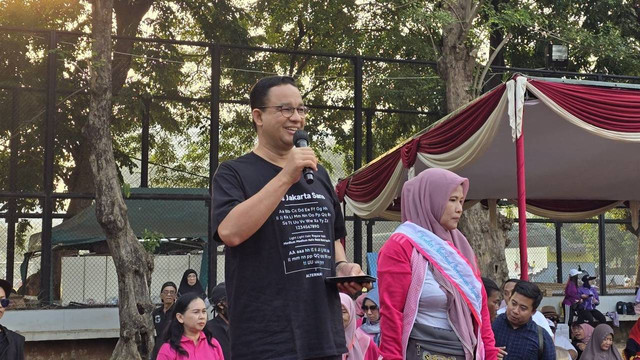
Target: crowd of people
282, 234
182, 325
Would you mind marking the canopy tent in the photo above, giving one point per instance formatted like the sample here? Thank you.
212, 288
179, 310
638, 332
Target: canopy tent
580, 142
179, 219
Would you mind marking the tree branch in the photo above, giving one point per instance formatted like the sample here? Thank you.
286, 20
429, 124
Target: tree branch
477, 86
296, 44
317, 86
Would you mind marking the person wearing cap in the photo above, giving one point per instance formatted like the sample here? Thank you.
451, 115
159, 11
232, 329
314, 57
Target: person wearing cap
219, 325
590, 299
11, 343
571, 296
161, 314
562, 342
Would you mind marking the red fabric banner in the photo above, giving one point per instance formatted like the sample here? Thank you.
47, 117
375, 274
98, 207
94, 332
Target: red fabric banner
455, 131
366, 185
409, 153
606, 108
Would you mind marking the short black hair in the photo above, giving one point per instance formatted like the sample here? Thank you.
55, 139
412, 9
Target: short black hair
260, 90
168, 283
508, 281
490, 286
529, 290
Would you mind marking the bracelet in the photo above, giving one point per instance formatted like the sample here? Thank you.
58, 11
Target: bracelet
340, 262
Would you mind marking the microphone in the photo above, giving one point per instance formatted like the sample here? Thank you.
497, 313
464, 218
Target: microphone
301, 139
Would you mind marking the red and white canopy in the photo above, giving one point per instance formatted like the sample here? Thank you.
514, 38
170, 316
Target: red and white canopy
580, 142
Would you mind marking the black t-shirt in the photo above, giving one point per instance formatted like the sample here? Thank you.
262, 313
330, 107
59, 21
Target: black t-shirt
161, 319
220, 331
279, 304
4, 344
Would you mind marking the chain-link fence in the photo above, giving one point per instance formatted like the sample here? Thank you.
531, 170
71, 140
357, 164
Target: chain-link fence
554, 248
179, 109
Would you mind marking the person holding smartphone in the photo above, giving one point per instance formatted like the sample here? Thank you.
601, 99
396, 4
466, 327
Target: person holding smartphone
282, 236
590, 299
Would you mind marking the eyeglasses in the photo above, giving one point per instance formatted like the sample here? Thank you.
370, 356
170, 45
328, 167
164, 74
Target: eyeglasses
4, 302
169, 292
367, 308
287, 111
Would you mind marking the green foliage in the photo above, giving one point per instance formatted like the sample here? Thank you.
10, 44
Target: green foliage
22, 229
151, 240
603, 36
126, 190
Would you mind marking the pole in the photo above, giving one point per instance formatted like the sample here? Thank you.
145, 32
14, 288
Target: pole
214, 148
49, 136
144, 168
14, 142
559, 251
522, 203
602, 255
357, 152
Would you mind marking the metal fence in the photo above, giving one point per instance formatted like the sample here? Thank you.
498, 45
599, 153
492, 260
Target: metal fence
604, 247
180, 107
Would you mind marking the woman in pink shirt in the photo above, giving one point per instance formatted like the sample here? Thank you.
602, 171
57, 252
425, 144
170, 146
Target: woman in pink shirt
187, 336
432, 300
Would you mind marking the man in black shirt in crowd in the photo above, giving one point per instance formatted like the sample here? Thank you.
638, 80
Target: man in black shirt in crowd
219, 325
11, 344
282, 236
168, 294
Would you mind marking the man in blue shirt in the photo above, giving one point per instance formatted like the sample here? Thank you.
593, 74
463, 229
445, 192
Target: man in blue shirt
516, 331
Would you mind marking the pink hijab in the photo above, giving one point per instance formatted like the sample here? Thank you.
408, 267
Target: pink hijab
588, 331
359, 302
357, 341
423, 201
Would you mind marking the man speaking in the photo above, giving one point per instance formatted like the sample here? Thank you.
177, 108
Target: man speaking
281, 233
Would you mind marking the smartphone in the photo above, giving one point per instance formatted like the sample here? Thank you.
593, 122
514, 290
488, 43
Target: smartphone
360, 279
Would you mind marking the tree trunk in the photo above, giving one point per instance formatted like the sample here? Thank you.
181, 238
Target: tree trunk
457, 60
129, 14
133, 264
456, 67
81, 179
487, 243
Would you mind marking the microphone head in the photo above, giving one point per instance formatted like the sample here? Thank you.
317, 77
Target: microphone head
300, 135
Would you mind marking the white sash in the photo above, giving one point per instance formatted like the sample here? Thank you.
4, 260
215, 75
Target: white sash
450, 262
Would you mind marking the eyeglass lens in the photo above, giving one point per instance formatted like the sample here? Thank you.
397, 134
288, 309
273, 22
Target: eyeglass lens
288, 111
4, 302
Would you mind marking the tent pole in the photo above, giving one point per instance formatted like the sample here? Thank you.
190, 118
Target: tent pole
522, 202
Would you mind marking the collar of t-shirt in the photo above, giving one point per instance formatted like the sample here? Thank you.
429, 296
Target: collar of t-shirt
537, 317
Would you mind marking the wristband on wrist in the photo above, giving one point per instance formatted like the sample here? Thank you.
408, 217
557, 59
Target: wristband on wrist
340, 262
